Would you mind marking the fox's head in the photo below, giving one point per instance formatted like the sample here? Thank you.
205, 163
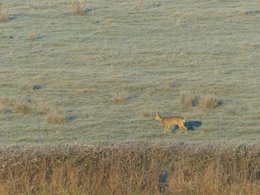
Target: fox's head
157, 116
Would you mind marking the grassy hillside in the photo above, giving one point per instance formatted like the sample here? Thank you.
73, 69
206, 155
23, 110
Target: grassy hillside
98, 71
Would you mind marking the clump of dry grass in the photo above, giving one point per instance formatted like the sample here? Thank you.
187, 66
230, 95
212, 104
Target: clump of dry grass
204, 102
130, 168
3, 103
138, 4
109, 20
209, 102
120, 99
19, 105
79, 7
3, 14
54, 117
32, 6
145, 114
26, 105
186, 100
86, 90
22, 105
33, 36
4, 100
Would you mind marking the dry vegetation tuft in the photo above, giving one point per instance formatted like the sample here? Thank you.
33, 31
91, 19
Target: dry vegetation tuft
32, 6
79, 7
145, 114
4, 100
18, 105
22, 105
120, 99
204, 102
3, 14
138, 5
26, 105
209, 102
33, 36
131, 168
186, 100
55, 118
86, 90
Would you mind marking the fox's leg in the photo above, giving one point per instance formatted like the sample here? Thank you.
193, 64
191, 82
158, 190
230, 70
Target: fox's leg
165, 129
168, 128
184, 129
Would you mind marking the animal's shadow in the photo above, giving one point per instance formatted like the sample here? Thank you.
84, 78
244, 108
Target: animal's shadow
191, 125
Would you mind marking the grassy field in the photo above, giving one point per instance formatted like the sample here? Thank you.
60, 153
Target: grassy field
81, 81
99, 71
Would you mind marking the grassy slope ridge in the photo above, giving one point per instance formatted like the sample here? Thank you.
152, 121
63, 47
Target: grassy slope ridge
98, 72
131, 168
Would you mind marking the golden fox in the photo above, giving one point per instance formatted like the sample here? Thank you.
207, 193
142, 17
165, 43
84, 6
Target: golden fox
168, 122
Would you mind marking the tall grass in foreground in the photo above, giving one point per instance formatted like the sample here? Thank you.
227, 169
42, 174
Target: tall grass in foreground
130, 168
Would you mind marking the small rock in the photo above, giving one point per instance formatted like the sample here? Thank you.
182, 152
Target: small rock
70, 118
37, 86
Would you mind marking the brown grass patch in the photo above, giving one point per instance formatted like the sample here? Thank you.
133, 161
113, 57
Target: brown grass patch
55, 118
26, 105
120, 99
19, 105
145, 114
204, 102
160, 90
3, 14
79, 7
32, 6
109, 20
4, 100
186, 100
2, 18
131, 168
2, 108
209, 102
138, 4
32, 36
86, 90
22, 105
